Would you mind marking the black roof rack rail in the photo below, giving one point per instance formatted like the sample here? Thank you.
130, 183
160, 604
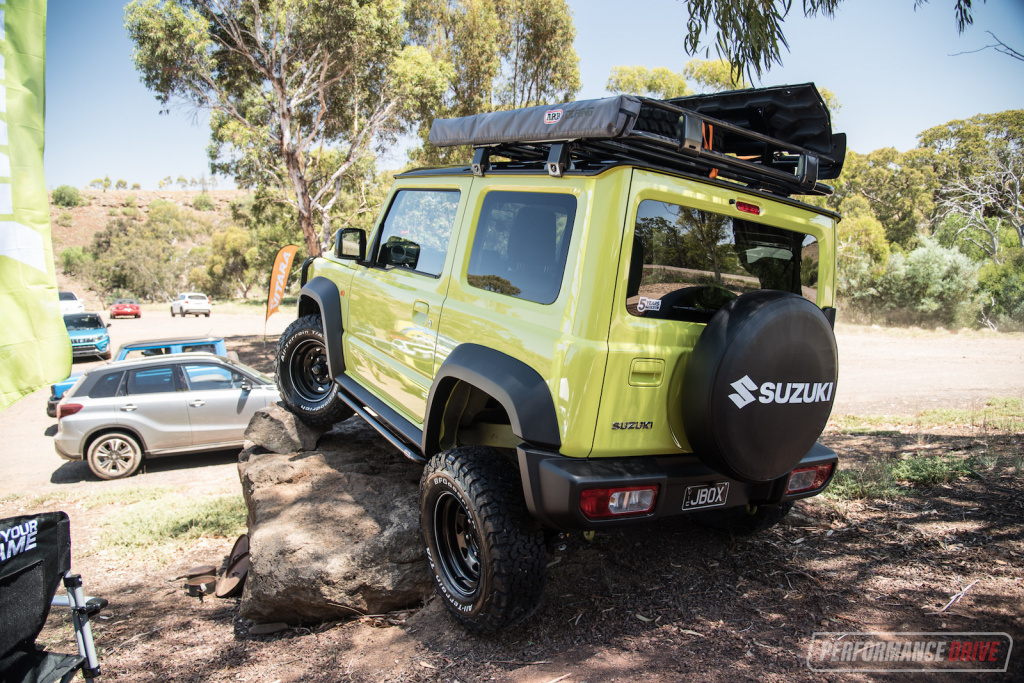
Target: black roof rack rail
776, 139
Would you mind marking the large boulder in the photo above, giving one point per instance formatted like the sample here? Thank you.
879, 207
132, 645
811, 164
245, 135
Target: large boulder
280, 431
333, 532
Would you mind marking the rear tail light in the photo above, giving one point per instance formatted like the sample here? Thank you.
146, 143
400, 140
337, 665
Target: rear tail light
65, 409
809, 478
618, 502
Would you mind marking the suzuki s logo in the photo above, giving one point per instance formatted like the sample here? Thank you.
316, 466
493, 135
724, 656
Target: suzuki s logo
780, 392
552, 116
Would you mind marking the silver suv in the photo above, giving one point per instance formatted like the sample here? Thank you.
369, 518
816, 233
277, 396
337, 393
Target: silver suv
121, 411
191, 303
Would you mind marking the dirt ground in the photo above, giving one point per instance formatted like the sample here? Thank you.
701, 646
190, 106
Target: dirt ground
655, 602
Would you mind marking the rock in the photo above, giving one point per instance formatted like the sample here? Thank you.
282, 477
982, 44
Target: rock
333, 532
280, 431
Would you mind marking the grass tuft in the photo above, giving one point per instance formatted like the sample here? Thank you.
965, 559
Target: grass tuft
168, 523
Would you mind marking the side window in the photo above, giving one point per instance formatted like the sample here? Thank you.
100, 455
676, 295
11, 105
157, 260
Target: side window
151, 381
417, 230
687, 263
106, 386
199, 347
204, 377
521, 244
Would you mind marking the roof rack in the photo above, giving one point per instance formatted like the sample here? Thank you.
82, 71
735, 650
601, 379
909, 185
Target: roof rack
776, 139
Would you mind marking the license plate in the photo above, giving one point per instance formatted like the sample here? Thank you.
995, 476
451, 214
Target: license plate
705, 496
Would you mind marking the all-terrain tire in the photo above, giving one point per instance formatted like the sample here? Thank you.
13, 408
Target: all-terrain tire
303, 376
746, 520
485, 552
114, 455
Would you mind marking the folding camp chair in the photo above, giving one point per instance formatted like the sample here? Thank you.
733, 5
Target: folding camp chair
35, 558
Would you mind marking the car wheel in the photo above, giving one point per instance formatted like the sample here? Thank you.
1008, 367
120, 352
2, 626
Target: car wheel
172, 311
747, 520
207, 315
114, 455
307, 388
486, 554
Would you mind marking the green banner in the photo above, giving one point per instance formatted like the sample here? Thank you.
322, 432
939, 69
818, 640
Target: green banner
34, 346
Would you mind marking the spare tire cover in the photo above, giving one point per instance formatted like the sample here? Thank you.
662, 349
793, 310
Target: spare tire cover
759, 385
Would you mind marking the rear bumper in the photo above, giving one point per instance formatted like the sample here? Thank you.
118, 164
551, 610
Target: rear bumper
552, 484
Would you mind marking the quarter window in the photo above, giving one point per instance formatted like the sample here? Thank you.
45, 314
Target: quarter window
106, 386
687, 263
521, 244
417, 230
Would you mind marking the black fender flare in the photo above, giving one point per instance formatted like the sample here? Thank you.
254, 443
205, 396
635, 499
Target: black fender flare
320, 295
515, 385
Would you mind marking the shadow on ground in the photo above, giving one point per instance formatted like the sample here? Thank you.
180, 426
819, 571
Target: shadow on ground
72, 472
658, 602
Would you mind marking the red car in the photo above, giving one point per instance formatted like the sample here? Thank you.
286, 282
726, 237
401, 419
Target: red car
125, 308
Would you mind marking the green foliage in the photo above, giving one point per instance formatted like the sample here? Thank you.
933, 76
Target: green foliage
1002, 284
931, 285
659, 82
129, 201
147, 259
898, 187
285, 80
492, 54
75, 261
749, 34
65, 219
203, 202
66, 196
121, 184
136, 186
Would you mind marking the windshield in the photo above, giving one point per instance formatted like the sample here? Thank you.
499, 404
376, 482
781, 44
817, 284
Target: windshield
67, 296
89, 321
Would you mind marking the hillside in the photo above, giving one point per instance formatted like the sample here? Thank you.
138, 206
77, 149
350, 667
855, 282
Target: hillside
93, 216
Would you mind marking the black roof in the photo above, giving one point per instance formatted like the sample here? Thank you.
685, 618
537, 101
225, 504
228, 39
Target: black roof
777, 140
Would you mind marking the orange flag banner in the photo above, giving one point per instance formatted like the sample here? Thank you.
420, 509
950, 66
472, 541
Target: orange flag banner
279, 277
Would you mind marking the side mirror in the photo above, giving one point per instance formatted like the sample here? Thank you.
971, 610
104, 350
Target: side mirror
108, 324
350, 243
246, 385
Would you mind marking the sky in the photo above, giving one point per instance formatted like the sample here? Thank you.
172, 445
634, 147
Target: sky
894, 70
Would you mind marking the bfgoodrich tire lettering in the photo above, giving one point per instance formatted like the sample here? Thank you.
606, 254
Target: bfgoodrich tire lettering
485, 552
303, 376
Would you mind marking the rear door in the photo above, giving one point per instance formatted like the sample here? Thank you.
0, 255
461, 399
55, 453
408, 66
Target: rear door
395, 303
154, 404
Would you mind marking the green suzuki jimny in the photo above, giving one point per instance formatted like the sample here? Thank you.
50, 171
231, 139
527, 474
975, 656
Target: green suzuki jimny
616, 313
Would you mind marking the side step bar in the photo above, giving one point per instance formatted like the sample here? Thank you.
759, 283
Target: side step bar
401, 433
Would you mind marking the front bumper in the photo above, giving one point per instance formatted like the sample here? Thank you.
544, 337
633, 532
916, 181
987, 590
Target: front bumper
552, 484
90, 348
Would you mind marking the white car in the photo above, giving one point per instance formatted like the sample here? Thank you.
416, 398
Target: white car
191, 303
70, 303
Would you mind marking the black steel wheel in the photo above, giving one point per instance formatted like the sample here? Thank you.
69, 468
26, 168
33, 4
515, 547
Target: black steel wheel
303, 376
486, 553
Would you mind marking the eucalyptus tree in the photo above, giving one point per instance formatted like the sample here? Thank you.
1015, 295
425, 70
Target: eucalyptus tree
287, 82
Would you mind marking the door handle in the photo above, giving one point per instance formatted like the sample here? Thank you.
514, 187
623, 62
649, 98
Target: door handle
129, 408
420, 312
196, 403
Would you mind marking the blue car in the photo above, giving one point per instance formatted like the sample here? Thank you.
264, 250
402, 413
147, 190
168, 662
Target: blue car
141, 349
89, 336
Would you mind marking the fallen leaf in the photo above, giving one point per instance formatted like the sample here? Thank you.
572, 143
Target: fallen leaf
642, 617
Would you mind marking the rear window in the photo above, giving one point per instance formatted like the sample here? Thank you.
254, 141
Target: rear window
687, 263
67, 296
521, 244
197, 297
